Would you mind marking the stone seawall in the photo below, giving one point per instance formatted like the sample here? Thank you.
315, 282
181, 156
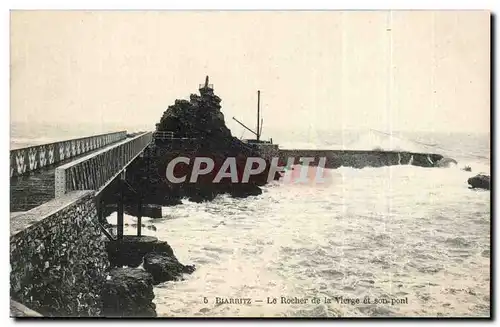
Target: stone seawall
57, 257
360, 159
36, 157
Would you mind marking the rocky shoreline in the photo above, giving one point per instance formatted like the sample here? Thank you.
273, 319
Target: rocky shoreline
137, 263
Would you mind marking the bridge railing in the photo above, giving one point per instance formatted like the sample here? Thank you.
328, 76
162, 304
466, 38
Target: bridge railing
95, 171
35, 157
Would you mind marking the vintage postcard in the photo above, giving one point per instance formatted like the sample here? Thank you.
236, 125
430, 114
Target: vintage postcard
208, 164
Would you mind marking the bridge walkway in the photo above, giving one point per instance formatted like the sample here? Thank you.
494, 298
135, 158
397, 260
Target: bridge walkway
37, 187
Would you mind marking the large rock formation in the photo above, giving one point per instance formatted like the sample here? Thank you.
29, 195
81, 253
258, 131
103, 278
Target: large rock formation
200, 131
200, 117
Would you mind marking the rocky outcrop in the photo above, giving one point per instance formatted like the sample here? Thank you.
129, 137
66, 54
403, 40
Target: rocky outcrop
480, 181
200, 122
128, 292
165, 267
200, 117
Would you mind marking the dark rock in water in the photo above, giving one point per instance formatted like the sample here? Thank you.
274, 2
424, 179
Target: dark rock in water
480, 181
165, 267
467, 168
130, 251
128, 292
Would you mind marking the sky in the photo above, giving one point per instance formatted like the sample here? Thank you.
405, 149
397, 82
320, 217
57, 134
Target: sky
325, 70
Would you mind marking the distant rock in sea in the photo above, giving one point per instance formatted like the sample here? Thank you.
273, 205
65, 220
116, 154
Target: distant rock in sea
480, 181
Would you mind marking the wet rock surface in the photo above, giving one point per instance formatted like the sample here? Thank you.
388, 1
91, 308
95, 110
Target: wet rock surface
165, 267
128, 292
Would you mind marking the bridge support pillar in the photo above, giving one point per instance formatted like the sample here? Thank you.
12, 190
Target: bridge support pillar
139, 217
119, 220
100, 212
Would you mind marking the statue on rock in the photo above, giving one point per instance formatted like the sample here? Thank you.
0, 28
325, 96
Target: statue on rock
199, 118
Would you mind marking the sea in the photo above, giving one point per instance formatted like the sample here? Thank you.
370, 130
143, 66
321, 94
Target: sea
399, 241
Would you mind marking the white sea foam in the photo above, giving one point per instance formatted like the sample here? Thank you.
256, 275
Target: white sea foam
395, 232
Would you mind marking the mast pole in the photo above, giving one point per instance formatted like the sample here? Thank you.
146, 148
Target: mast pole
258, 115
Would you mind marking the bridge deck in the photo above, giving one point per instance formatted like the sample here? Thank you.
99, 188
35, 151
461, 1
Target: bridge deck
37, 187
